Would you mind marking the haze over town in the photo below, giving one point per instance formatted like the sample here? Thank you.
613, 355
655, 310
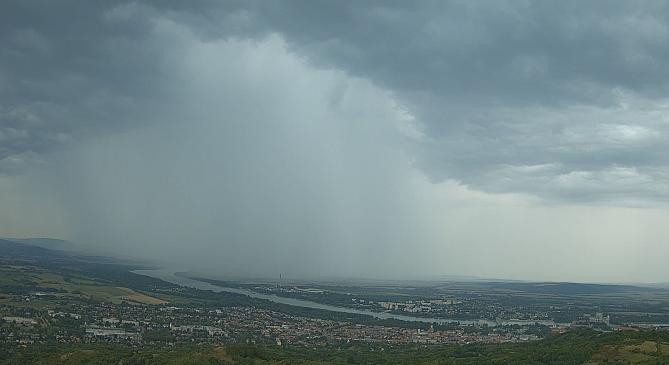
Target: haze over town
518, 140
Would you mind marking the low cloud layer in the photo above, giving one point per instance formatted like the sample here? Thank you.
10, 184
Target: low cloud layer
348, 139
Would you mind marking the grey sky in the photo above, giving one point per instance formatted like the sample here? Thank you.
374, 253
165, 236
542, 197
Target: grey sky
343, 138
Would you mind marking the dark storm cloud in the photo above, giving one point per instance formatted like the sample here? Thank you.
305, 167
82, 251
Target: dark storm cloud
70, 68
555, 99
524, 52
502, 87
342, 138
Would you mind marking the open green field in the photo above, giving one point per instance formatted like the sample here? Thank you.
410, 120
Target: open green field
27, 278
646, 352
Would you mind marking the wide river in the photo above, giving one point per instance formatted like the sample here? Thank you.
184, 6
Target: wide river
171, 277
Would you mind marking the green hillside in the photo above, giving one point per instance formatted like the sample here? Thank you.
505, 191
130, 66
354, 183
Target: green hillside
578, 347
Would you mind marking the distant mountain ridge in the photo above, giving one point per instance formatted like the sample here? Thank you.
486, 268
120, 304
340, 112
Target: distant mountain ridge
568, 288
47, 249
48, 243
13, 249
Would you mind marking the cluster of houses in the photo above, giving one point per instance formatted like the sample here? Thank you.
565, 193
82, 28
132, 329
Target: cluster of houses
417, 306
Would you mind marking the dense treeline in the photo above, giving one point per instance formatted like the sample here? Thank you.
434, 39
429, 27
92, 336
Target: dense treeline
575, 347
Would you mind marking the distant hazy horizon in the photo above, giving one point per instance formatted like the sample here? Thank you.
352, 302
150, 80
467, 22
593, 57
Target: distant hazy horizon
516, 140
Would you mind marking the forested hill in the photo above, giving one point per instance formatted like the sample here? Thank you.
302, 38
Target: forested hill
577, 347
19, 250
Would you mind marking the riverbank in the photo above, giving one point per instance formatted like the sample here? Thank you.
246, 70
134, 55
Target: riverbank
171, 277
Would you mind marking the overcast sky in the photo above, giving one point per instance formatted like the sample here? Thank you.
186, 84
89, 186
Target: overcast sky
507, 139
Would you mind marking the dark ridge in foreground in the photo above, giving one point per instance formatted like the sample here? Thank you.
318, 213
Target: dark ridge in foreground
577, 347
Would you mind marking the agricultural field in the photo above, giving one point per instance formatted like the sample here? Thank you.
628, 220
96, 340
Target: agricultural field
38, 280
638, 353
